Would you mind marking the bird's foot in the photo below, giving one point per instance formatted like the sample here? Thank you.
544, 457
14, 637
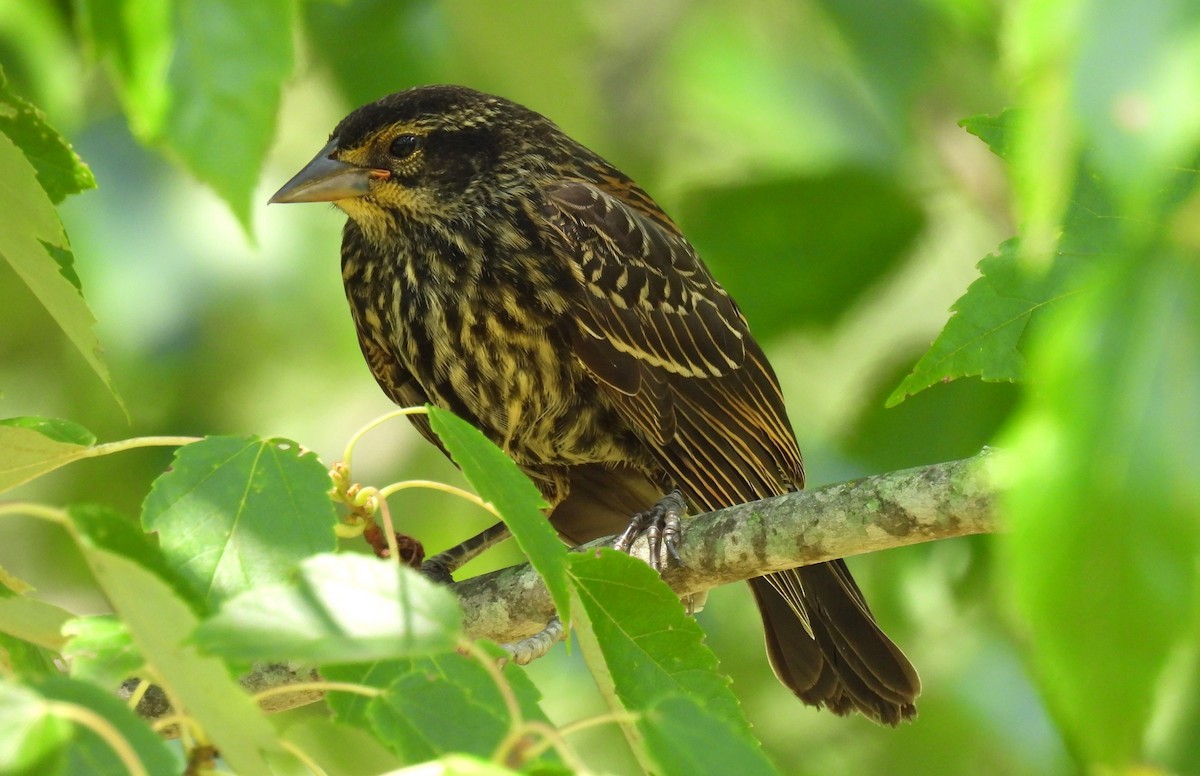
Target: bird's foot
527, 650
661, 524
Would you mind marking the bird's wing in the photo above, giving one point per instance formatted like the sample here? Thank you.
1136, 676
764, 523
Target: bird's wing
670, 348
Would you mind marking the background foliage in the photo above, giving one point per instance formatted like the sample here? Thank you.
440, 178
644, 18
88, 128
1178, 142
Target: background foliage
812, 152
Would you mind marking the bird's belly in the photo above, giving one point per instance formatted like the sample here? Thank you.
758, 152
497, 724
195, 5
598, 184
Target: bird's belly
524, 390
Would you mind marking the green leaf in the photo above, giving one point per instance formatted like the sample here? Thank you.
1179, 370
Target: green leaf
88, 752
59, 169
639, 642
35, 246
449, 703
685, 740
498, 480
986, 334
798, 250
34, 621
31, 739
229, 64
160, 622
137, 38
100, 650
31, 447
340, 750
26, 660
1102, 507
236, 513
58, 430
342, 609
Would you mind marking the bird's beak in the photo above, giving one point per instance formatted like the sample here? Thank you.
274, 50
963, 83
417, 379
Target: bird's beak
326, 179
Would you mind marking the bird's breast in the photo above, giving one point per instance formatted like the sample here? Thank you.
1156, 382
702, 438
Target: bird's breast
487, 341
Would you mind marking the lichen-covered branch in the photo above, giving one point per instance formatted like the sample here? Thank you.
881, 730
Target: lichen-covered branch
899, 508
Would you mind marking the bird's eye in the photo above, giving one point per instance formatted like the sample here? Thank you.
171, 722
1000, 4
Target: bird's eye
404, 146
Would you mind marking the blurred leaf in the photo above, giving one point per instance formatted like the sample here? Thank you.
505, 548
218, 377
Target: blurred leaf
34, 621
986, 335
1040, 39
203, 78
88, 753
1134, 79
160, 623
35, 246
498, 480
31, 738
685, 740
640, 644
449, 703
106, 530
100, 650
396, 44
137, 38
343, 609
1103, 508
235, 513
894, 43
801, 250
228, 67
30, 447
59, 169
341, 750
26, 660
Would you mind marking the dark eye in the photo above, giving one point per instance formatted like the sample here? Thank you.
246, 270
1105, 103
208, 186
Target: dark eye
404, 146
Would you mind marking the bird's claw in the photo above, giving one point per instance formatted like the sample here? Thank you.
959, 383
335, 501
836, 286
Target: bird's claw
662, 526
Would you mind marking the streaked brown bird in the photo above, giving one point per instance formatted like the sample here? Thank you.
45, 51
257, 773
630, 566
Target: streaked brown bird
499, 269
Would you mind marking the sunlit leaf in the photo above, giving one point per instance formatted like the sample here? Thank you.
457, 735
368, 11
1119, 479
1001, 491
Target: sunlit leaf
60, 171
639, 641
447, 703
498, 480
226, 75
31, 447
35, 246
234, 513
685, 740
100, 650
31, 738
160, 623
342, 609
34, 621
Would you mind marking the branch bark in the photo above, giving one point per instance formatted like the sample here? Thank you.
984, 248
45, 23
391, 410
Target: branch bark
889, 510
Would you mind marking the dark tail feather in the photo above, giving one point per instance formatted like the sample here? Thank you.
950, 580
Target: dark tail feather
841, 660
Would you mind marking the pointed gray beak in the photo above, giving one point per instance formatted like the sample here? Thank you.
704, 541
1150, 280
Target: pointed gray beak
326, 179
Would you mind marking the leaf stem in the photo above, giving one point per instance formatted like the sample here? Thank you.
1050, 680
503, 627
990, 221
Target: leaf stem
358, 435
320, 686
467, 495
103, 728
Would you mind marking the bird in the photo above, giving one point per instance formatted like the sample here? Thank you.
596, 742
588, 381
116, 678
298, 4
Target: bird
501, 270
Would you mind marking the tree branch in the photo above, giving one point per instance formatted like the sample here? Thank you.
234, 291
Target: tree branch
896, 509
798, 529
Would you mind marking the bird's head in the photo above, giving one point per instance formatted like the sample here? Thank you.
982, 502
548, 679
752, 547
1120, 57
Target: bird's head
429, 154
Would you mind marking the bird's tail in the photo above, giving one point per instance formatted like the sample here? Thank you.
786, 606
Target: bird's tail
824, 644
